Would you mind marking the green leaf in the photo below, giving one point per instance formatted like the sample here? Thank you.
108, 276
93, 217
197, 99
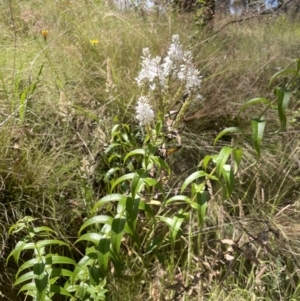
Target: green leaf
138, 182
43, 228
21, 224
38, 268
152, 149
80, 270
202, 200
58, 272
28, 287
41, 284
110, 159
92, 237
104, 245
38, 245
103, 255
117, 228
158, 127
57, 259
96, 293
222, 158
281, 73
26, 265
25, 277
255, 101
126, 177
48, 242
228, 179
258, 127
161, 163
99, 219
59, 290
283, 98
132, 206
194, 176
174, 224
135, 153
206, 160
228, 131
17, 250
114, 129
110, 173
49, 260
179, 198
94, 275
82, 292
111, 147
150, 181
114, 197
237, 158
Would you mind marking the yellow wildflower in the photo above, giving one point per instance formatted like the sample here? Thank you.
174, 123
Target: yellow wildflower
94, 42
45, 34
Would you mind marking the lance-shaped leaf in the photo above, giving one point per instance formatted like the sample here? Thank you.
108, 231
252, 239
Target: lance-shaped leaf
54, 288
114, 197
201, 206
179, 198
228, 178
25, 277
190, 179
138, 182
258, 127
174, 224
237, 158
92, 237
41, 283
284, 72
283, 98
49, 260
39, 268
222, 158
132, 208
110, 173
99, 219
227, 131
135, 152
161, 163
126, 177
254, 101
103, 255
117, 232
94, 275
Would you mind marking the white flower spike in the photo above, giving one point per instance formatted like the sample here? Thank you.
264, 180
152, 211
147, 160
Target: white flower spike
144, 112
188, 73
150, 69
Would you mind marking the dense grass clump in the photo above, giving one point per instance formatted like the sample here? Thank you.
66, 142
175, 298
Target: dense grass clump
168, 210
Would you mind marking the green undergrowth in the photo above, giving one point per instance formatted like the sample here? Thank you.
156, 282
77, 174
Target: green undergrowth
68, 127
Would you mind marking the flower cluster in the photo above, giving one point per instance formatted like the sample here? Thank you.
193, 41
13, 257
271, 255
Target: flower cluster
150, 69
156, 74
177, 64
188, 73
144, 112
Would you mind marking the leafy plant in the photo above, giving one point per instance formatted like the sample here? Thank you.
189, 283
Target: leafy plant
138, 212
48, 270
